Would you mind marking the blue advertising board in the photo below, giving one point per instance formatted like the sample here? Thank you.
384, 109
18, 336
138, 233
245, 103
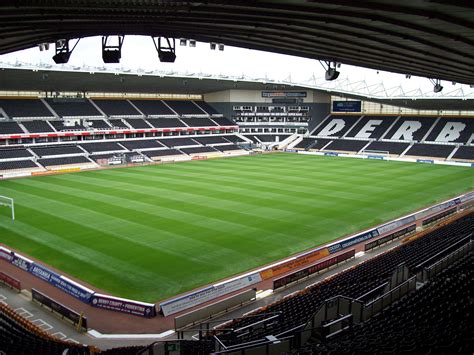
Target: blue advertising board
351, 241
346, 106
70, 287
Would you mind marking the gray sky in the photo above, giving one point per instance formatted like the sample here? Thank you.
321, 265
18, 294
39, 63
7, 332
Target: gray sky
139, 53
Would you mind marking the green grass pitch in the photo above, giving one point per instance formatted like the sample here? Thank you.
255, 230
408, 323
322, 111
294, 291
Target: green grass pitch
151, 232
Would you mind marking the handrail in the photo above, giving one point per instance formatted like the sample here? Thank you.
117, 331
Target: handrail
459, 242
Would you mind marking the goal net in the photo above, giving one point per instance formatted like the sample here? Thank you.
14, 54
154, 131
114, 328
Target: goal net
384, 153
9, 203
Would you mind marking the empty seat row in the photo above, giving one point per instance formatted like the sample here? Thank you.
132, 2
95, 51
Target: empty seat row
353, 283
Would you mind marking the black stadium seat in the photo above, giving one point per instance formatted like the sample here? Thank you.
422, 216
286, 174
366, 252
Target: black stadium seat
10, 128
352, 283
346, 145
37, 126
14, 153
63, 161
22, 108
17, 164
430, 150
116, 107
185, 107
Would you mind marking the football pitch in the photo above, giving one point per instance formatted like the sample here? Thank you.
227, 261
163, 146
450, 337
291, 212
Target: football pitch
151, 232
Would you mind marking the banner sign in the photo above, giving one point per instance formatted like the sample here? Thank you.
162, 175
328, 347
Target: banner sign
467, 197
438, 216
390, 237
272, 94
10, 281
346, 106
293, 264
57, 307
426, 161
42, 272
435, 209
395, 224
351, 241
285, 280
123, 305
73, 288
21, 262
6, 254
207, 294
378, 157
331, 154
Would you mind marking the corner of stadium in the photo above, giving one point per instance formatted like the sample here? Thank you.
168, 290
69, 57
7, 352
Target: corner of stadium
154, 212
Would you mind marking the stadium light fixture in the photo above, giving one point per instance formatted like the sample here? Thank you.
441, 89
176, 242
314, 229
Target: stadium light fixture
330, 67
111, 53
183, 42
221, 46
213, 46
166, 48
62, 51
437, 87
43, 47
192, 43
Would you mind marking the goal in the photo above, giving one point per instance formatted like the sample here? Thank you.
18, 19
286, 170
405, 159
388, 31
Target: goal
8, 202
384, 153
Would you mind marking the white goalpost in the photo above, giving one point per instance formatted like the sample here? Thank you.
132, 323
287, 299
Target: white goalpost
8, 202
384, 153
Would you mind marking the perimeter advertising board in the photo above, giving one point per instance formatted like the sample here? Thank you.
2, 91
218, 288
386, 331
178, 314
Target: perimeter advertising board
285, 280
74, 289
123, 305
207, 294
294, 264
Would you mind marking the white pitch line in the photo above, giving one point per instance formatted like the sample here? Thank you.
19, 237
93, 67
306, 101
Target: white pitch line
72, 340
42, 324
59, 335
2, 300
23, 312
96, 334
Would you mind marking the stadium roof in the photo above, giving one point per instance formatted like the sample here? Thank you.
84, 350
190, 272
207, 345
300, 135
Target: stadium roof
428, 38
28, 77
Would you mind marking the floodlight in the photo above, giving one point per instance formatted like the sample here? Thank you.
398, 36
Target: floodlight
111, 53
167, 50
62, 58
192, 43
330, 67
437, 88
62, 51
331, 74
221, 46
213, 46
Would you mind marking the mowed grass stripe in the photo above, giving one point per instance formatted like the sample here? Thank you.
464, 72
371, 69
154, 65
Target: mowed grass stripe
178, 226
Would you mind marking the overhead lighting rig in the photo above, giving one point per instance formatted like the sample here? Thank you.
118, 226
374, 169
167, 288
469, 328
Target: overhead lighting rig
62, 51
330, 67
166, 49
111, 53
437, 87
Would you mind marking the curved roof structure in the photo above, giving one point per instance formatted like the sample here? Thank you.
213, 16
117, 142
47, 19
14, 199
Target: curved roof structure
429, 38
27, 77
